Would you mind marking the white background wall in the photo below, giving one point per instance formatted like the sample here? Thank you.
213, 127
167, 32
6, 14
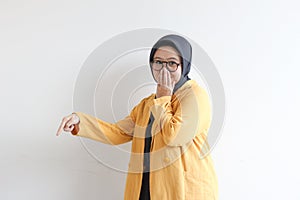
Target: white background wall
254, 44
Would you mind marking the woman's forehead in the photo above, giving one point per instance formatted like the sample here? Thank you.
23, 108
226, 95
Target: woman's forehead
168, 51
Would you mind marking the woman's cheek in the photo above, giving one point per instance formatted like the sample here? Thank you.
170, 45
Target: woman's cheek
175, 78
156, 75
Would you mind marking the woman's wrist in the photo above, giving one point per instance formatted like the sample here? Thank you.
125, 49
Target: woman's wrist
76, 125
76, 118
163, 91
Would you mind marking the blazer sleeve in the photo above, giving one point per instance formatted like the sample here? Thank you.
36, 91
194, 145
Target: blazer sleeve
105, 132
180, 123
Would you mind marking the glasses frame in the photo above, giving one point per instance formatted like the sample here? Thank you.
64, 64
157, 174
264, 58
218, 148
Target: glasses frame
167, 65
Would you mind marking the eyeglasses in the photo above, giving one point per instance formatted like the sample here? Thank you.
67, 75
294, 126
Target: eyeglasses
158, 65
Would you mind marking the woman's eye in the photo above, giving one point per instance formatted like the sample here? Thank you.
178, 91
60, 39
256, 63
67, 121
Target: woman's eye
158, 62
171, 63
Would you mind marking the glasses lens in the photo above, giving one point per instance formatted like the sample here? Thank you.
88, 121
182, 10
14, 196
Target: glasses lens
157, 65
172, 66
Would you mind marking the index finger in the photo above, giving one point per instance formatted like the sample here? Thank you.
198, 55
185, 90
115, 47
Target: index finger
60, 129
63, 123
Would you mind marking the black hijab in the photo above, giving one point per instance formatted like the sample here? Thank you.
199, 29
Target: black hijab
185, 50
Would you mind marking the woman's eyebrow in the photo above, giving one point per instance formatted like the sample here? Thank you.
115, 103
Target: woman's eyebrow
167, 58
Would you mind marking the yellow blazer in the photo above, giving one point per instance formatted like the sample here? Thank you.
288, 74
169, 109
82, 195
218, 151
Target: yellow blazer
180, 166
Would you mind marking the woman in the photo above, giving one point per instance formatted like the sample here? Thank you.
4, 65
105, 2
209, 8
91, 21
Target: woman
168, 130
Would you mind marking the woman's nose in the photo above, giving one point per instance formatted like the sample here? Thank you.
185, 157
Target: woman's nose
164, 68
164, 65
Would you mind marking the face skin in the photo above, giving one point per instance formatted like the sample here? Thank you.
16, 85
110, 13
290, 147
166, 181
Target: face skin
168, 53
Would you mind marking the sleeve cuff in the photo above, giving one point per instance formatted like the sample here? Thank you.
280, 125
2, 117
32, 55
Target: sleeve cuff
161, 100
160, 106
